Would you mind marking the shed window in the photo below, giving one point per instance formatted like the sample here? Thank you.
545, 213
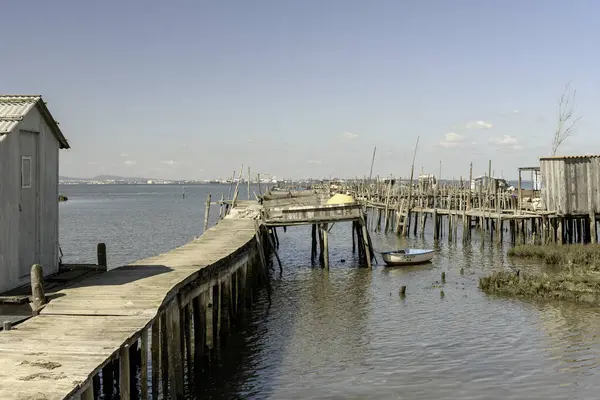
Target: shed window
26, 172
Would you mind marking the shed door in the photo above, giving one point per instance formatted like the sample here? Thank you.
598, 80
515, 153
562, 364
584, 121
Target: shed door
29, 206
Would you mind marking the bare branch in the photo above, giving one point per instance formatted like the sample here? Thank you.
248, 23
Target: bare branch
566, 122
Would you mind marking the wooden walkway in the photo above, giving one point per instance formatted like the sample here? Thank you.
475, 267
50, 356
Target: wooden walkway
56, 354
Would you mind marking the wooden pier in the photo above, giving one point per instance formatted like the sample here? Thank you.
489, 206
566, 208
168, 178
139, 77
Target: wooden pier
150, 325
310, 207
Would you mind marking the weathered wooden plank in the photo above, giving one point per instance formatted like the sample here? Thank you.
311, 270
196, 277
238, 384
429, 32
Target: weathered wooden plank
56, 354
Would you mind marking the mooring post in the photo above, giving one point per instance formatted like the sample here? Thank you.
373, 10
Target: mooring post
206, 212
37, 288
101, 254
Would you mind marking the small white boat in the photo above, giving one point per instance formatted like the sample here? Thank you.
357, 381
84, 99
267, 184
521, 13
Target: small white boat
407, 256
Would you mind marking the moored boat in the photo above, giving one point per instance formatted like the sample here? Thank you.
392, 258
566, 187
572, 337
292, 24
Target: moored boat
407, 257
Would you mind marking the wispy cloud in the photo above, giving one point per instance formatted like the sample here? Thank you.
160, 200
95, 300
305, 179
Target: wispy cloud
169, 162
315, 162
479, 125
453, 139
506, 141
349, 135
130, 162
124, 155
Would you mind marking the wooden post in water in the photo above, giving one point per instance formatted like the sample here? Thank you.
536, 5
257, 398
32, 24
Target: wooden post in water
325, 247
164, 355
144, 365
313, 249
321, 244
187, 339
37, 288
353, 239
155, 357
101, 255
365, 233
174, 352
206, 212
124, 374
108, 380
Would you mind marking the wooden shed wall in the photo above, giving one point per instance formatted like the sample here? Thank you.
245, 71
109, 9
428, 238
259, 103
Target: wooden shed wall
9, 211
10, 181
571, 185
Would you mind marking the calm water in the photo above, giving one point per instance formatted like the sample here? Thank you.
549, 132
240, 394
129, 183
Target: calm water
346, 334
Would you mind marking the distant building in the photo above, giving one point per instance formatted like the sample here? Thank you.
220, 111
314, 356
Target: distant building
29, 143
427, 181
485, 181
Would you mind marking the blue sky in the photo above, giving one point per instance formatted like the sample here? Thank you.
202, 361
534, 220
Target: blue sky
305, 88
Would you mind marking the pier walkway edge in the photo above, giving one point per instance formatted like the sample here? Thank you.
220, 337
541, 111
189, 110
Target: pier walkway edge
86, 327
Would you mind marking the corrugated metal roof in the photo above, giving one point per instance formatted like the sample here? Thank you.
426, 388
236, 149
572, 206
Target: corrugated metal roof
569, 157
13, 109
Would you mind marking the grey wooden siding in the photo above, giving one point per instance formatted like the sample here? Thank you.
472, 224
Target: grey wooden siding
571, 184
10, 184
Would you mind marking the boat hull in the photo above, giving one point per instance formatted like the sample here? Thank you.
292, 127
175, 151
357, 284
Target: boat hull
407, 258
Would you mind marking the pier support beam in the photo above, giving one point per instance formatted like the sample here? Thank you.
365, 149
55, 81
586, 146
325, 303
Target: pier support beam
124, 374
175, 351
325, 246
366, 241
155, 357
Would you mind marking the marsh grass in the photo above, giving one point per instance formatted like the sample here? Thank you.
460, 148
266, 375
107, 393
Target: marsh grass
577, 279
571, 286
584, 255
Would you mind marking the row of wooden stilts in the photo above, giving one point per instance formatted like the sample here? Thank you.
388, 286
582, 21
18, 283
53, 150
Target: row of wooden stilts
521, 229
170, 356
361, 240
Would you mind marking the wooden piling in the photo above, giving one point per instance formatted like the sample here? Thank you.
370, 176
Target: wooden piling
365, 233
37, 288
124, 374
325, 246
199, 331
101, 255
206, 212
313, 249
174, 351
108, 380
144, 365
155, 358
164, 355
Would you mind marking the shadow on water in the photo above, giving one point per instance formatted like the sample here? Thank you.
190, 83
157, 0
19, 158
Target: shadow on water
315, 315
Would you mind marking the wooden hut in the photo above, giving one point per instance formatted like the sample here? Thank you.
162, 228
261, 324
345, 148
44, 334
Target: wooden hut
30, 140
571, 185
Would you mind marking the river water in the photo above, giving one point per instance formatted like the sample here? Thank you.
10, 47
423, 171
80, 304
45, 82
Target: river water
346, 334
